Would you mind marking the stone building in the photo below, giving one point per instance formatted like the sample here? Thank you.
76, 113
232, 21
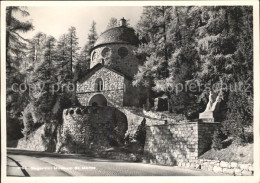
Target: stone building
113, 65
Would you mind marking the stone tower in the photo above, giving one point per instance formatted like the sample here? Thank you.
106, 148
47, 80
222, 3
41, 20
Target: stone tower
113, 65
115, 49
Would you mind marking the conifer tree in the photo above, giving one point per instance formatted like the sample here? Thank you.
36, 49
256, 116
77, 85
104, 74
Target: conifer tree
222, 41
73, 49
152, 28
16, 47
92, 36
182, 62
112, 23
15, 43
63, 57
85, 53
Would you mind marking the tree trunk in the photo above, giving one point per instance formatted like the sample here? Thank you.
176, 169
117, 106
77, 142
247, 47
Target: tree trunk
8, 24
71, 45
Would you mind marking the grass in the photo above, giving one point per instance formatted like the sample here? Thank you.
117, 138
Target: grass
232, 153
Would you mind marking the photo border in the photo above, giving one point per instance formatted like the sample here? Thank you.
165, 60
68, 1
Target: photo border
126, 179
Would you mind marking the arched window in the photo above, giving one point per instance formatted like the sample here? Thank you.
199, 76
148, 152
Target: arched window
98, 84
94, 55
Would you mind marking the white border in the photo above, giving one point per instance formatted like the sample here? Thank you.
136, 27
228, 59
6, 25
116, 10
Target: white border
251, 179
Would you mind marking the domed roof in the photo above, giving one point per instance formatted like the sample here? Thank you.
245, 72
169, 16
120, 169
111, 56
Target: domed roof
122, 34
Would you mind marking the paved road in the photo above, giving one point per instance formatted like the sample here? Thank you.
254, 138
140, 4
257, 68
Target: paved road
30, 163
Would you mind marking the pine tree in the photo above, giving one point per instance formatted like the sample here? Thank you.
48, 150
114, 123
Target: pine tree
182, 63
85, 53
15, 44
50, 54
152, 28
92, 36
85, 57
16, 47
63, 57
42, 101
225, 48
112, 23
73, 49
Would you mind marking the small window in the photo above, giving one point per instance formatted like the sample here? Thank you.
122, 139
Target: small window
122, 52
78, 111
105, 52
99, 84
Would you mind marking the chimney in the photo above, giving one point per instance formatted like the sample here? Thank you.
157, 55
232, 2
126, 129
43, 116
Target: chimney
123, 22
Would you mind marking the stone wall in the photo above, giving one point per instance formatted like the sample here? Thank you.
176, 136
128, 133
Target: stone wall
117, 90
33, 141
87, 129
42, 139
173, 143
231, 168
132, 157
127, 65
134, 119
113, 87
205, 133
169, 117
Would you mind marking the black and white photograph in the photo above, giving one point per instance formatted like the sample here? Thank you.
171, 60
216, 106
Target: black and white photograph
141, 89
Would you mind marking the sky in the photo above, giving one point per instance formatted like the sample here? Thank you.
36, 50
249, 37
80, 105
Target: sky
55, 20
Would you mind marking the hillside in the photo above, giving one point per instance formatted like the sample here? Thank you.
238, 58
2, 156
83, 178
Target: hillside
241, 154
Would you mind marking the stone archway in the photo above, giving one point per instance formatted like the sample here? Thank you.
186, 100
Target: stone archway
98, 100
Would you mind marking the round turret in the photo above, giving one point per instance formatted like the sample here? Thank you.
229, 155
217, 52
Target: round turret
115, 48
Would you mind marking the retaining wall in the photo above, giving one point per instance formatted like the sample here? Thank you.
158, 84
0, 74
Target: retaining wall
173, 143
89, 128
33, 141
42, 139
134, 119
231, 168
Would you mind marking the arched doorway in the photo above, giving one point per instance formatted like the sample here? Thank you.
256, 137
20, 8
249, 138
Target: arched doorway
98, 100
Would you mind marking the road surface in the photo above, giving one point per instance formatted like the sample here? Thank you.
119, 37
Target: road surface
30, 163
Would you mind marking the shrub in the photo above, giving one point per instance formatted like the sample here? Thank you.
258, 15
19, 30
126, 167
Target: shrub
114, 138
217, 140
239, 117
129, 137
28, 124
14, 128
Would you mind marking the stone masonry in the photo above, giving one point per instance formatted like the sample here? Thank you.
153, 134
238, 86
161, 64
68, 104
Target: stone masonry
231, 168
173, 143
127, 65
88, 129
113, 87
134, 120
117, 90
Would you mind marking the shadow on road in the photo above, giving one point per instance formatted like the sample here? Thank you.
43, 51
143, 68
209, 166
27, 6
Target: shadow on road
38, 154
